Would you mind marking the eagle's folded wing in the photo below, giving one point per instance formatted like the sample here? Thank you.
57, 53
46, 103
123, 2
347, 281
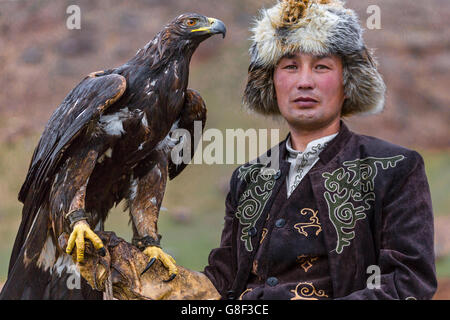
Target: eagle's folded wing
85, 103
81, 107
194, 110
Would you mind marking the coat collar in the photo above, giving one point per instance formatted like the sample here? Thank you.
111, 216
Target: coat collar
336, 145
330, 151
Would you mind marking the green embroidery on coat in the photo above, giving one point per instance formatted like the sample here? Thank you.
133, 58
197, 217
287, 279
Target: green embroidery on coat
260, 183
350, 193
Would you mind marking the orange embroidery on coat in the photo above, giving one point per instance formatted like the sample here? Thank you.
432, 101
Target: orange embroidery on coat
306, 262
313, 222
307, 291
263, 236
246, 291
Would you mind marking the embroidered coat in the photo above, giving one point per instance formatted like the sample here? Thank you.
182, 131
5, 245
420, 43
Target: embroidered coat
367, 207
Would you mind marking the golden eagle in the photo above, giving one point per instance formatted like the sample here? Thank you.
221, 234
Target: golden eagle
108, 140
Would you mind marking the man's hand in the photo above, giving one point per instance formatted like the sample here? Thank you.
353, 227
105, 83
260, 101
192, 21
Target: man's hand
169, 262
81, 230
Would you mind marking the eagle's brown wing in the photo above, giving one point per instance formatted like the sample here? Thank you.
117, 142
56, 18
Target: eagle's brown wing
84, 104
194, 110
81, 107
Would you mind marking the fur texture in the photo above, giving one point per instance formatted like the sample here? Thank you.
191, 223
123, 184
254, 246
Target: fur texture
316, 27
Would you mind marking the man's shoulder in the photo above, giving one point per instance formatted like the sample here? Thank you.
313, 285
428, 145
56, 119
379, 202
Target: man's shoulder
378, 147
372, 147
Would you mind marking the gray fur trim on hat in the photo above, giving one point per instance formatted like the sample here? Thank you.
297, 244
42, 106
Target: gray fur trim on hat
317, 27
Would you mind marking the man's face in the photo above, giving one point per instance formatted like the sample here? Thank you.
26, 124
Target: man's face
309, 90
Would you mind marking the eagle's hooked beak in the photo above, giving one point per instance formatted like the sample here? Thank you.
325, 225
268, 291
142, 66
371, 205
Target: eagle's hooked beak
215, 27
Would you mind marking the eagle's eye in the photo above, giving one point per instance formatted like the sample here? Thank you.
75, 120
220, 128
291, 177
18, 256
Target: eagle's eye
191, 22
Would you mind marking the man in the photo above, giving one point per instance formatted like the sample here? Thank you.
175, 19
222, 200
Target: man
346, 216
326, 214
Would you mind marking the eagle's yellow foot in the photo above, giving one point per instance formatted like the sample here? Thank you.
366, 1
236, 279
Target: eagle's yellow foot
169, 262
81, 231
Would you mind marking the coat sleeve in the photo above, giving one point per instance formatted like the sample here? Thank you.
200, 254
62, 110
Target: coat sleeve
406, 257
220, 268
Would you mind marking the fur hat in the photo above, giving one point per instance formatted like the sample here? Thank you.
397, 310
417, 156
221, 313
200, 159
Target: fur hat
315, 27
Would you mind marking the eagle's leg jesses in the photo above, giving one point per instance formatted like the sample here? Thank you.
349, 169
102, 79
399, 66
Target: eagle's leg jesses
145, 200
78, 169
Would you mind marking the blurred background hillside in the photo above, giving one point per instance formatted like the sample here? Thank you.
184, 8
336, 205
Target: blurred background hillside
41, 60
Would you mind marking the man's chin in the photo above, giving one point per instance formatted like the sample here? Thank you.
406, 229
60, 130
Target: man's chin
310, 121
304, 117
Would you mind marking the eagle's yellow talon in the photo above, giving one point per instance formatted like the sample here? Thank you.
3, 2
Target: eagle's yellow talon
81, 231
167, 260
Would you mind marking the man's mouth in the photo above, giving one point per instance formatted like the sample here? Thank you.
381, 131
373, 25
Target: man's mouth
305, 101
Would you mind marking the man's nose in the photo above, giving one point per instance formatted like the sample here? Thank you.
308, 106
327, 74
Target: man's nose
305, 78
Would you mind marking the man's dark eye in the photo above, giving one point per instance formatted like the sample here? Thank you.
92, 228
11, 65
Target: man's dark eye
191, 22
322, 66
